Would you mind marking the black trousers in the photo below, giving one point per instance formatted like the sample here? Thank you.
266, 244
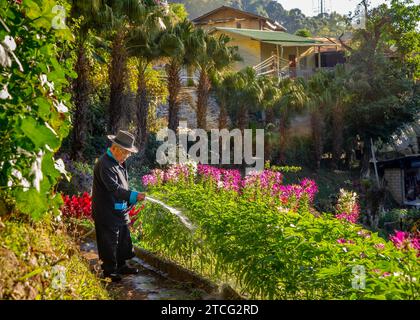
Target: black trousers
114, 246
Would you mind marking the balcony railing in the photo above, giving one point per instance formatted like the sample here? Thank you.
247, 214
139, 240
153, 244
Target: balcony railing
273, 66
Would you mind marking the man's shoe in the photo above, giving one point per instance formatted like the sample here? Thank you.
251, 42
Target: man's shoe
115, 277
128, 270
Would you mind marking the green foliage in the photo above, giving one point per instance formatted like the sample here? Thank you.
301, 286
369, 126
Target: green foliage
40, 261
34, 117
303, 33
275, 253
400, 219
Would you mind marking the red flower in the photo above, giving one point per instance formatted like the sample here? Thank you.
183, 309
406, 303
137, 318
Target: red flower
77, 207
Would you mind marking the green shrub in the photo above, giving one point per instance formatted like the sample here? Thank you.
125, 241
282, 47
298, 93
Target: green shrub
34, 107
270, 251
40, 261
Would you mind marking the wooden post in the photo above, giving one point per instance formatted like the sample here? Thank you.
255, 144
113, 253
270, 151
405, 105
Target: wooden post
278, 60
297, 59
319, 57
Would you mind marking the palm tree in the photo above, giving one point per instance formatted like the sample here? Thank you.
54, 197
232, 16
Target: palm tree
143, 45
91, 16
271, 94
222, 91
341, 96
320, 98
249, 96
213, 57
126, 15
293, 99
178, 45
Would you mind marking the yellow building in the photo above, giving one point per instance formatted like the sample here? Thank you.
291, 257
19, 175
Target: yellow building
263, 43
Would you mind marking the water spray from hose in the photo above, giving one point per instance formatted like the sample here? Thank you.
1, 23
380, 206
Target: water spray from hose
174, 211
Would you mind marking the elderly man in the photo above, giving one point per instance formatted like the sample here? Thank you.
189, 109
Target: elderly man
111, 202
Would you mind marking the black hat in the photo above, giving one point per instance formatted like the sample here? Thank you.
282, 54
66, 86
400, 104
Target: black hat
125, 140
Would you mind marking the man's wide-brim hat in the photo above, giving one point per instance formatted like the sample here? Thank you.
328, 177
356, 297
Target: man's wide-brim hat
125, 140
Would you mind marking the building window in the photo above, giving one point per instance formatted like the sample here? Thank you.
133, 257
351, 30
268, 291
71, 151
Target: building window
238, 25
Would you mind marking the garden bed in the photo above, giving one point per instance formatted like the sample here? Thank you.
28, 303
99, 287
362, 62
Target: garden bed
265, 239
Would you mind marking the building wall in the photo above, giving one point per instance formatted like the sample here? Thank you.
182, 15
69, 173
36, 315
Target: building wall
250, 50
395, 184
248, 23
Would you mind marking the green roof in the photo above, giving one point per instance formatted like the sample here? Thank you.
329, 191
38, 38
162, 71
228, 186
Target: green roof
291, 44
269, 36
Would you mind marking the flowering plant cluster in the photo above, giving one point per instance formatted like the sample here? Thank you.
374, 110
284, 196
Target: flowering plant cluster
77, 207
267, 182
347, 207
134, 213
80, 207
34, 103
405, 240
238, 232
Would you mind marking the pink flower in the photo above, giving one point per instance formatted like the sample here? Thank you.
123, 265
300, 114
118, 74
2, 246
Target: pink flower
405, 240
399, 238
364, 234
149, 180
349, 217
379, 246
344, 241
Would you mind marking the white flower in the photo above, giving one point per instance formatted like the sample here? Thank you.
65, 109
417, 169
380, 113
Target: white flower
292, 225
220, 184
37, 172
25, 184
17, 174
4, 94
59, 165
61, 107
5, 60
9, 43
44, 81
10, 183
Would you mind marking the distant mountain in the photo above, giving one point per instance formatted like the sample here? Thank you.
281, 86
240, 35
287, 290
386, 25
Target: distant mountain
328, 25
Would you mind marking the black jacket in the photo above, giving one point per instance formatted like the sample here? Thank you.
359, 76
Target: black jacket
111, 196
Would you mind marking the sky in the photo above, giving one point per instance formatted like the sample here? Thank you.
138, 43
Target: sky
340, 6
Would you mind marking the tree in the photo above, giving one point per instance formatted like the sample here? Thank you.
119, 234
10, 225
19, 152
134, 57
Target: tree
338, 109
320, 97
303, 33
292, 100
89, 16
271, 94
213, 57
143, 45
178, 45
380, 89
125, 15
